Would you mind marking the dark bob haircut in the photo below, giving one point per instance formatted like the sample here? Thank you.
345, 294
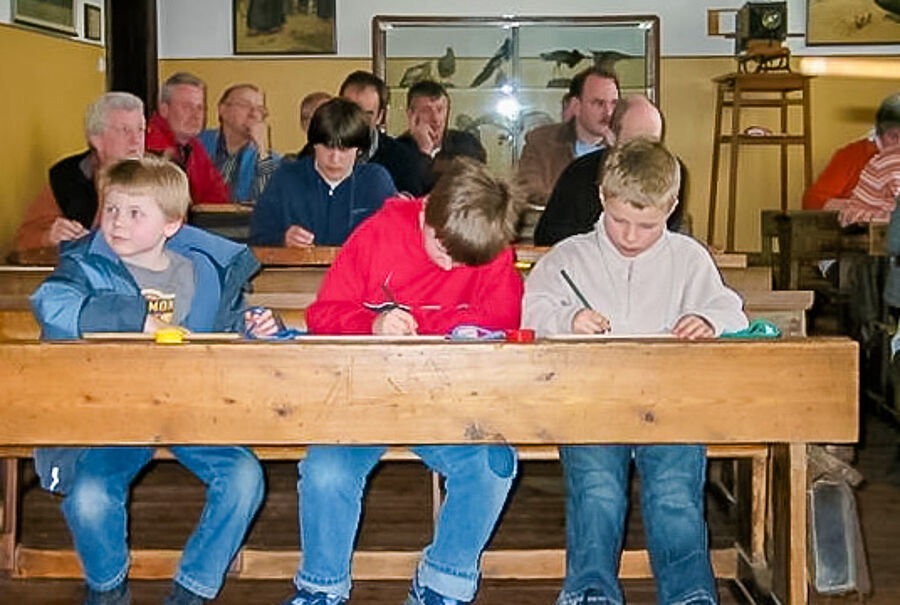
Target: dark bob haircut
340, 123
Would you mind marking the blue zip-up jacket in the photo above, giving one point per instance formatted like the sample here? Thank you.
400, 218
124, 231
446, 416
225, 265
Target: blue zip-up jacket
91, 290
298, 195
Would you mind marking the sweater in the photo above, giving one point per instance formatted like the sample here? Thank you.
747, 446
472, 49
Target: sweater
70, 194
387, 250
840, 175
298, 195
644, 294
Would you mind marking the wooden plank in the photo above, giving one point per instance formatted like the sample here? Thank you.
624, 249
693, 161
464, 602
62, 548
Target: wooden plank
367, 565
9, 513
289, 279
295, 257
550, 393
748, 278
17, 280
779, 300
238, 209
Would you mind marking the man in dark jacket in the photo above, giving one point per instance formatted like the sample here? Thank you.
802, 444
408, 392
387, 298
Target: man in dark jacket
427, 114
405, 165
574, 204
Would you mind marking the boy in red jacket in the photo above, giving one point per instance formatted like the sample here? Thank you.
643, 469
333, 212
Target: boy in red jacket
416, 267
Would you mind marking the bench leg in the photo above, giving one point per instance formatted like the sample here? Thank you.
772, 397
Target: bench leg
789, 465
9, 475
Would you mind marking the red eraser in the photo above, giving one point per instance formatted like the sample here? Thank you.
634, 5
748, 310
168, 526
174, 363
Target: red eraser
524, 335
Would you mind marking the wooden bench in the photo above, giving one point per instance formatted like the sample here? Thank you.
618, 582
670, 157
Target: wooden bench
380, 392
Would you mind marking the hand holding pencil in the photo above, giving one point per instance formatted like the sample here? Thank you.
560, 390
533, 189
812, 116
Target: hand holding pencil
586, 321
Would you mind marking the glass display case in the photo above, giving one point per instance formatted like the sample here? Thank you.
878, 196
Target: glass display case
507, 75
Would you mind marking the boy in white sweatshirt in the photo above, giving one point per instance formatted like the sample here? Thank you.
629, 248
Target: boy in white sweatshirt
632, 276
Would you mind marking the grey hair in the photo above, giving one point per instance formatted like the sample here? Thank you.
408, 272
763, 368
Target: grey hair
888, 115
97, 112
177, 79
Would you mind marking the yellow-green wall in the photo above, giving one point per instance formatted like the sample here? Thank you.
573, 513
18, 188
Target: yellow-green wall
842, 110
47, 82
60, 78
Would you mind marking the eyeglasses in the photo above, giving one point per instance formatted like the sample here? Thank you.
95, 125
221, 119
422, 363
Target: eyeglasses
260, 109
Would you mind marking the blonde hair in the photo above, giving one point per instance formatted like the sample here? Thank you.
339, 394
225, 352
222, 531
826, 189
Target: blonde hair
157, 177
643, 173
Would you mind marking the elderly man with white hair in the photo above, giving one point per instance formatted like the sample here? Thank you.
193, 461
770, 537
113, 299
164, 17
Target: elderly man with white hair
66, 208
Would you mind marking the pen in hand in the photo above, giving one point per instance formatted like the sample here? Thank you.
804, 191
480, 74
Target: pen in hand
575, 289
586, 321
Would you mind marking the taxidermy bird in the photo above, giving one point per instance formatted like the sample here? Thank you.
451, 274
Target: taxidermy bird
446, 65
891, 6
416, 73
569, 58
493, 63
607, 59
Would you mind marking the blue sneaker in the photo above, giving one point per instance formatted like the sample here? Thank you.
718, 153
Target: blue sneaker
305, 597
422, 595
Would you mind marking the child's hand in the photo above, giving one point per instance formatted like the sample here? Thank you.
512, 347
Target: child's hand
298, 237
260, 323
153, 324
395, 322
587, 321
691, 327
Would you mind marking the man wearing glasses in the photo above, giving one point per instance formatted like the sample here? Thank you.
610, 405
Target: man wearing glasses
239, 148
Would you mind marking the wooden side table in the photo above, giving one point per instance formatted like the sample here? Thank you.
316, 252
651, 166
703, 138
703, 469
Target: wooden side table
773, 90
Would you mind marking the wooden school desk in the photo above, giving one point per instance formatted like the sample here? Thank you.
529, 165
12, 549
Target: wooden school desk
782, 393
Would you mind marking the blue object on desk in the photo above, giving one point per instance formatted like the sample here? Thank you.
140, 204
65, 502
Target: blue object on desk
758, 328
471, 332
283, 333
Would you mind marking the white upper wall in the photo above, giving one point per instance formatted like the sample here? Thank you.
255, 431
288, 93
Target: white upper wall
202, 28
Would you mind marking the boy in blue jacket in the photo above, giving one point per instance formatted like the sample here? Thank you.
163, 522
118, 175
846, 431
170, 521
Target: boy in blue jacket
142, 271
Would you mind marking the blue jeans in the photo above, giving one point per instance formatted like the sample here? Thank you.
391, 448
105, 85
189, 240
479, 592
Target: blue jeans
331, 486
672, 506
96, 509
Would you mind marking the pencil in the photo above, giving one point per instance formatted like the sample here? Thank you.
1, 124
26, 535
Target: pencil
575, 289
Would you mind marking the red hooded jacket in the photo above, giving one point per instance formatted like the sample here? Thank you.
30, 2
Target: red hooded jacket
207, 185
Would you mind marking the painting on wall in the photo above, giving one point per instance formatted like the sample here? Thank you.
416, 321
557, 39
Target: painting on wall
56, 15
283, 27
852, 22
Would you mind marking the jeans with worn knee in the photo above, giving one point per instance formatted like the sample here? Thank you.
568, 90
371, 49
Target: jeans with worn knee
96, 509
332, 483
672, 506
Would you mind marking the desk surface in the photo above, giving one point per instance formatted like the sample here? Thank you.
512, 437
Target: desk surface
551, 393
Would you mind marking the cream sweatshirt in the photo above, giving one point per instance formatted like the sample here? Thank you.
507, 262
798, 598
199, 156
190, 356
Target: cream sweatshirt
644, 294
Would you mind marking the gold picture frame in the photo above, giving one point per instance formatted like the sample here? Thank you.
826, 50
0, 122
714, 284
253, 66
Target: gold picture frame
53, 15
839, 22
284, 27
93, 23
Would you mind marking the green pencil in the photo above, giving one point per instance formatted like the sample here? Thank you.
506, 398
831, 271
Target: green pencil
575, 289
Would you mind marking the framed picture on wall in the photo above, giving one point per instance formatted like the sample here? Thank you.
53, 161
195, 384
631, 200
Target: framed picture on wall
56, 15
852, 22
93, 23
283, 27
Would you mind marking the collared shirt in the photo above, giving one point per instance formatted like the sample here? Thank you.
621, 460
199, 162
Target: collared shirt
582, 148
228, 165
